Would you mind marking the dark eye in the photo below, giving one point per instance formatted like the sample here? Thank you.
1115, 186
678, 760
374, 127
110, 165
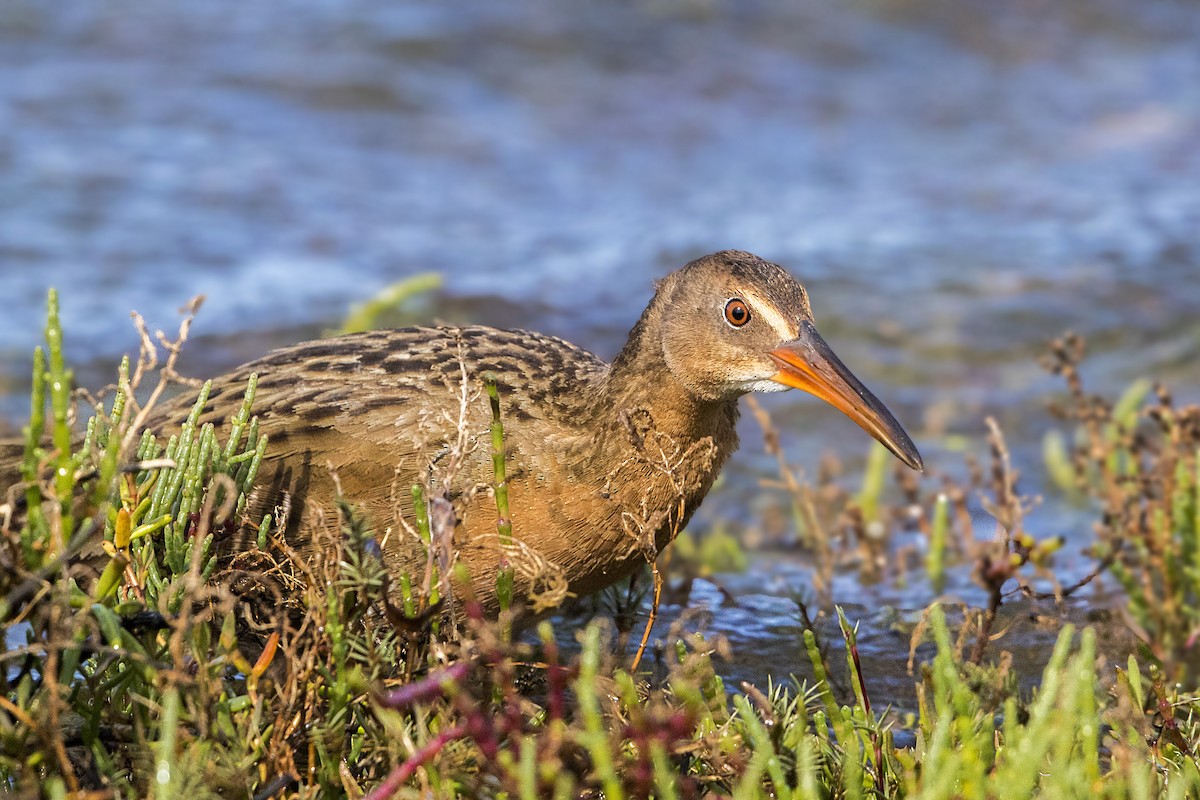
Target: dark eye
737, 313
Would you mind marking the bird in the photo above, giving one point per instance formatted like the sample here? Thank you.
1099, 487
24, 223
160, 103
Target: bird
605, 462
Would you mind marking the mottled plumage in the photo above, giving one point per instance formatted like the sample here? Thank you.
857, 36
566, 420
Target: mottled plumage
382, 409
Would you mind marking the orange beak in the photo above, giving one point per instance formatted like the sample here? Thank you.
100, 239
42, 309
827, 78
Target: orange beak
808, 364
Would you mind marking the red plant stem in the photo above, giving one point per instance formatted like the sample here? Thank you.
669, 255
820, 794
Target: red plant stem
427, 688
557, 700
862, 680
405, 771
880, 778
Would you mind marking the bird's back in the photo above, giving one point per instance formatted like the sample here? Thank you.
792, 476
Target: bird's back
384, 410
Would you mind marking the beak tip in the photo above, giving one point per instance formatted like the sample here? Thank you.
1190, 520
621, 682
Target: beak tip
912, 458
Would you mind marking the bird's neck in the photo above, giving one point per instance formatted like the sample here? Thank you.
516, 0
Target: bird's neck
639, 388
658, 445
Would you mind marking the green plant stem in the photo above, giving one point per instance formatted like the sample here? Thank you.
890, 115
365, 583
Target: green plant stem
504, 579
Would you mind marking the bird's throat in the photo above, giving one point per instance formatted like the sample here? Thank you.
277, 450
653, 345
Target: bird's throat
645, 416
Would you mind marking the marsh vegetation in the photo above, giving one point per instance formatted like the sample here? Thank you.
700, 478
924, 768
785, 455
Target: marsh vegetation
150, 666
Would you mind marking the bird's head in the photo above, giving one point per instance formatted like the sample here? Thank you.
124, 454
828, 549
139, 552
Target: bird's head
733, 323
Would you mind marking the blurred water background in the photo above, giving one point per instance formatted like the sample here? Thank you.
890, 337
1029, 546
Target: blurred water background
956, 183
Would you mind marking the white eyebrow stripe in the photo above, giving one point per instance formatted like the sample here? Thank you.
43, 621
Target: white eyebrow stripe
777, 321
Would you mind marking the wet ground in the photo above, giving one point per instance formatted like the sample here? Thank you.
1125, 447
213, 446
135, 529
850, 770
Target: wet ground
955, 182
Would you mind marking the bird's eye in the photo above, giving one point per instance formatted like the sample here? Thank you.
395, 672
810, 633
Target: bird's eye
737, 313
